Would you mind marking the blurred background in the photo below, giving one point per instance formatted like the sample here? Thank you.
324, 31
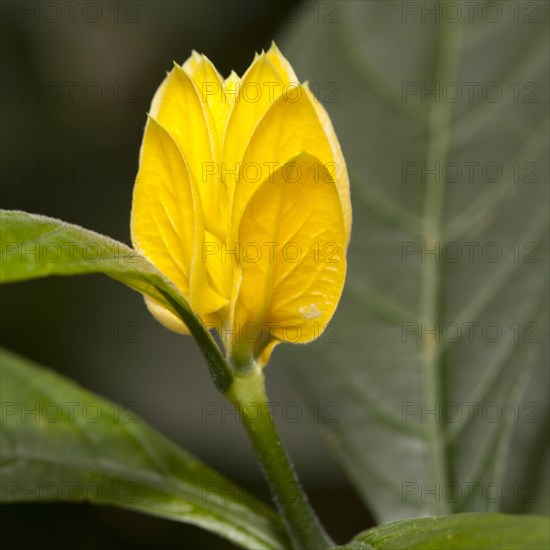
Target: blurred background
70, 151
77, 80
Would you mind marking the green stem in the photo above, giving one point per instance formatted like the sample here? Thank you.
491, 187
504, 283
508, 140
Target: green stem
247, 393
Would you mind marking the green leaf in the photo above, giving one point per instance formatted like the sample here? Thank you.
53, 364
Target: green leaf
429, 354
60, 442
35, 246
457, 532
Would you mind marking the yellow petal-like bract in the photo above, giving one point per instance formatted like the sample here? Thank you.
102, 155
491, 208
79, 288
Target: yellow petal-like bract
242, 201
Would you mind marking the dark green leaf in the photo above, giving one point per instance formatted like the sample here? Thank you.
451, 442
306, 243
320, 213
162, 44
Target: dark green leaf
60, 442
424, 426
457, 532
35, 246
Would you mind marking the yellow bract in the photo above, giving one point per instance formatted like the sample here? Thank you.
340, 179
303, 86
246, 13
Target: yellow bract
242, 201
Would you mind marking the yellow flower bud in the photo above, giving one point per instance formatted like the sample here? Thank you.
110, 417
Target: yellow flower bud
242, 201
